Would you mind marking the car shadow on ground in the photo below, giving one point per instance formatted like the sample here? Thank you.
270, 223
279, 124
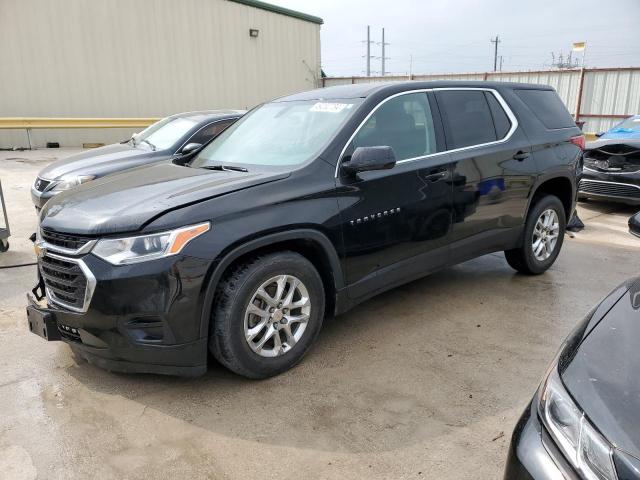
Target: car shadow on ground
408, 365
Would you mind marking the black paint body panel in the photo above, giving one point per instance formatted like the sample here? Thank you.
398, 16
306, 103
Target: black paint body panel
423, 215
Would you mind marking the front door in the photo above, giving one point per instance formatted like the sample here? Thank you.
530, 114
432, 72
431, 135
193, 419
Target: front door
396, 222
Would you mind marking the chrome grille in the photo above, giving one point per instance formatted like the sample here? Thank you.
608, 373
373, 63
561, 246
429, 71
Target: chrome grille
611, 189
64, 240
65, 281
41, 184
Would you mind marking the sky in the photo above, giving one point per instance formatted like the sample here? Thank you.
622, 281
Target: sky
441, 36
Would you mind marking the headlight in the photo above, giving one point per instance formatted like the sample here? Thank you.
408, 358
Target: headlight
124, 251
581, 444
71, 181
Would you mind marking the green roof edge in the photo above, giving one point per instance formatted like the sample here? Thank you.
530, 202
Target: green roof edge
281, 10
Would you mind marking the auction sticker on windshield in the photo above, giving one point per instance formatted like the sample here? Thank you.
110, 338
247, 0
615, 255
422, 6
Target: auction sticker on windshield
329, 107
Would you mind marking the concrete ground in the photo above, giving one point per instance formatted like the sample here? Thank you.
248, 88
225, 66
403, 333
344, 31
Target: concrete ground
425, 381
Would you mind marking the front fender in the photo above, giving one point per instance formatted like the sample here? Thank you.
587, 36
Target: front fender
244, 247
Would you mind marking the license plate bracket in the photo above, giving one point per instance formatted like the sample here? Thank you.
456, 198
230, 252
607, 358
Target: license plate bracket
43, 324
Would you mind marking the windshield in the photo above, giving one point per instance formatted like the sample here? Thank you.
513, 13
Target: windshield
630, 125
279, 133
165, 133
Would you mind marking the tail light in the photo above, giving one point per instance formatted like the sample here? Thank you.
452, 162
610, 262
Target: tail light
579, 141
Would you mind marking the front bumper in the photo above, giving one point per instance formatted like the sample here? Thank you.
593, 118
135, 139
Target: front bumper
532, 453
141, 318
615, 187
40, 198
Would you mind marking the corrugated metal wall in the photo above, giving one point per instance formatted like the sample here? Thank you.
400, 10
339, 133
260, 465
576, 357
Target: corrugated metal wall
607, 94
144, 58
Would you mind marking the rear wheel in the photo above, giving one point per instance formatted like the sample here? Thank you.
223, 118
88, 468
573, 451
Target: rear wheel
4, 245
267, 313
543, 237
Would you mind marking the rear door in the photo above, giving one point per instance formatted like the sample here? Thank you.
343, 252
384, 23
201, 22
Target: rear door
396, 222
493, 170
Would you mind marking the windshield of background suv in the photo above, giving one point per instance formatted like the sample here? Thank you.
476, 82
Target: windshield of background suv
630, 125
165, 133
279, 133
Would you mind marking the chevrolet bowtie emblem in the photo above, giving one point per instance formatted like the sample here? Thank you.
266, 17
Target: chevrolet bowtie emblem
39, 248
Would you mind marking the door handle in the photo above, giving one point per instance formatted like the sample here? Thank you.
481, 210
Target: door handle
520, 156
434, 177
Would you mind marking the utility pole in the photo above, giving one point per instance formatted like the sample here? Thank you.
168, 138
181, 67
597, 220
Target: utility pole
500, 62
384, 58
368, 51
495, 41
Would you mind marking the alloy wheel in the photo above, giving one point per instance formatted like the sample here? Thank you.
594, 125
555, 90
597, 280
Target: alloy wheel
545, 234
277, 316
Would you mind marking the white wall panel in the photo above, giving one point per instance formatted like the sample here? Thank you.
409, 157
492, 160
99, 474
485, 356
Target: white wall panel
145, 58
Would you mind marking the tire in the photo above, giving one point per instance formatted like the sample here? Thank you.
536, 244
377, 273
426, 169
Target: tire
524, 259
229, 340
4, 245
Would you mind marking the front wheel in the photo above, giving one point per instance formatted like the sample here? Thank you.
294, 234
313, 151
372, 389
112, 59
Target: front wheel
267, 313
543, 237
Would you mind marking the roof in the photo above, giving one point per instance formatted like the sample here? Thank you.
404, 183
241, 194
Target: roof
204, 115
361, 90
281, 10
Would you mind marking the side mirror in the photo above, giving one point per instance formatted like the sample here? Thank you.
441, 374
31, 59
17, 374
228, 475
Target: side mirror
365, 159
190, 147
599, 134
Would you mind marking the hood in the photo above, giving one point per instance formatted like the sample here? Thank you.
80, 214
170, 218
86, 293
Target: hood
604, 375
605, 141
97, 161
125, 202
621, 133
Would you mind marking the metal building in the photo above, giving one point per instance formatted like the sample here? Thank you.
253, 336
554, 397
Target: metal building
147, 58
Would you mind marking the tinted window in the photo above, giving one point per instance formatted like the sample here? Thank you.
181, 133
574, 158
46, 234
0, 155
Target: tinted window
547, 106
500, 119
466, 117
403, 123
207, 133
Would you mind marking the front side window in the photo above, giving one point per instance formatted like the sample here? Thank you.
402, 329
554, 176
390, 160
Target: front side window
165, 133
466, 117
210, 131
279, 133
403, 123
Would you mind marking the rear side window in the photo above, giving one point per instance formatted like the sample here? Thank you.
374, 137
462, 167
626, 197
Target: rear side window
500, 119
547, 106
467, 118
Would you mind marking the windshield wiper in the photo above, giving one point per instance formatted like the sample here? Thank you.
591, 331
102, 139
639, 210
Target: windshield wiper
153, 147
229, 168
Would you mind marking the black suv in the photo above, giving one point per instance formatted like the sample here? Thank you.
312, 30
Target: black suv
305, 207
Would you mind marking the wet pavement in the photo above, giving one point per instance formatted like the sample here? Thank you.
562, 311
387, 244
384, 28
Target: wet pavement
425, 381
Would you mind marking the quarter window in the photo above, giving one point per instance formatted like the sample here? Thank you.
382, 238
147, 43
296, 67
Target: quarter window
466, 117
403, 123
500, 119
